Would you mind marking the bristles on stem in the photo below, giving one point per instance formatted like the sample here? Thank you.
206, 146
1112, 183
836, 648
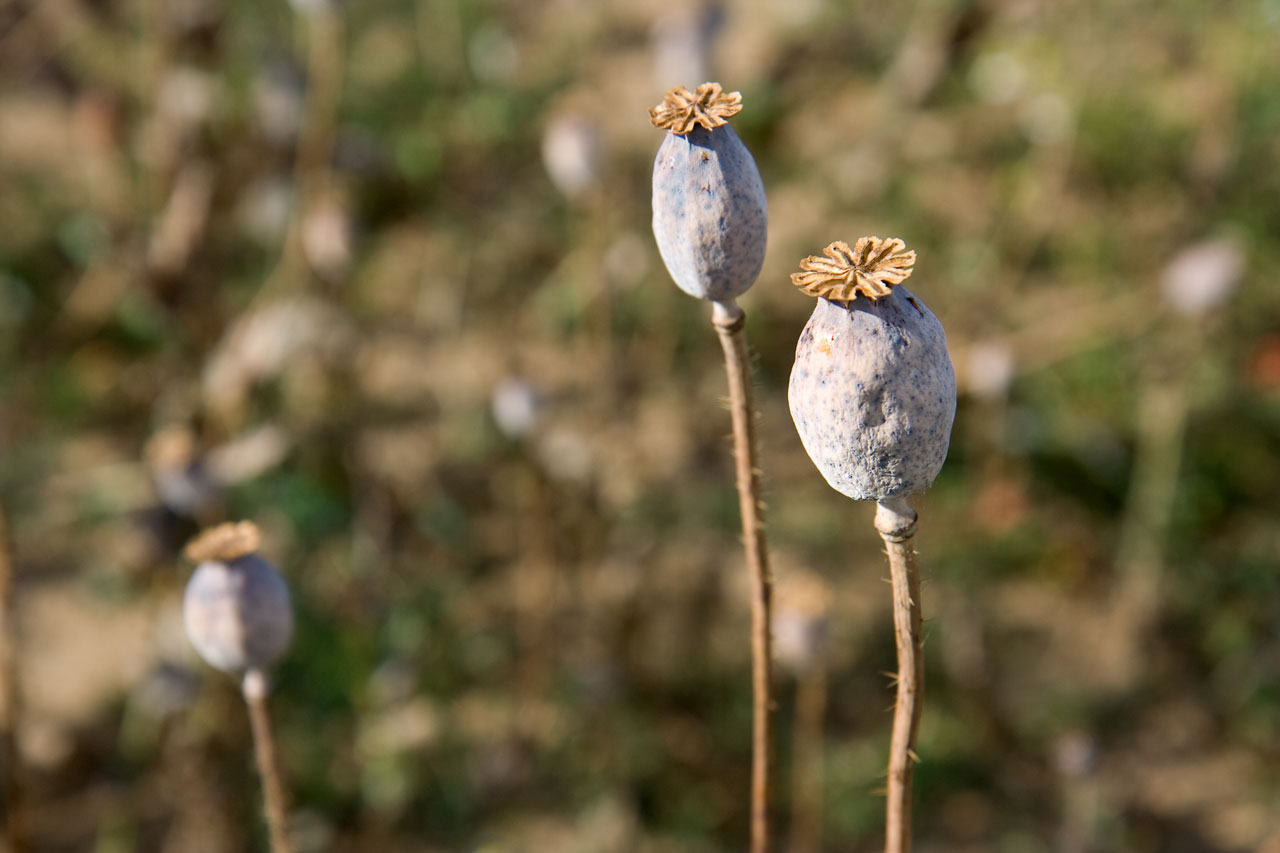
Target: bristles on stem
896, 523
730, 323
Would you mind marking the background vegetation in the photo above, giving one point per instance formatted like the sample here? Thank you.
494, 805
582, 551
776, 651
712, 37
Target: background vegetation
380, 278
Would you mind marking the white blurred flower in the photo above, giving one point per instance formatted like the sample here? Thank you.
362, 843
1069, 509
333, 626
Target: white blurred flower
1203, 275
991, 366
327, 236
572, 153
800, 620
262, 211
515, 406
998, 78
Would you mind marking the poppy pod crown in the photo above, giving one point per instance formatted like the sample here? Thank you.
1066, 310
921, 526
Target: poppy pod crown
709, 214
872, 391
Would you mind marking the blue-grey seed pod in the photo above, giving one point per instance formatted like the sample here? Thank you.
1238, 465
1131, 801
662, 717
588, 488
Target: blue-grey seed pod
236, 609
709, 215
873, 392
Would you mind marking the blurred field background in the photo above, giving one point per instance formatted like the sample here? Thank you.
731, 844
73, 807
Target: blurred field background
380, 277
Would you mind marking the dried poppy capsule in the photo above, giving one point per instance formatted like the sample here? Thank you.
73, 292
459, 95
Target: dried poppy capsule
872, 392
710, 223
236, 608
709, 214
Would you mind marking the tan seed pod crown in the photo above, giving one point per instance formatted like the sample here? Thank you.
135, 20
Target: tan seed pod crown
872, 391
709, 105
871, 268
710, 217
225, 542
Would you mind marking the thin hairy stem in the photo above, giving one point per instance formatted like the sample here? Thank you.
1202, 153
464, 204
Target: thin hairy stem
730, 323
807, 767
325, 68
1163, 410
896, 523
14, 807
256, 689
312, 173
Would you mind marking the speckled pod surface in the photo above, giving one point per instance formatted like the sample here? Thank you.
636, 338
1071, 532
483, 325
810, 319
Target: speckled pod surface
238, 613
873, 395
709, 215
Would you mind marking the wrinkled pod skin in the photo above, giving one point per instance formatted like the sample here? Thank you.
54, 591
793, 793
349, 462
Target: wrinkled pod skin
873, 395
709, 215
238, 613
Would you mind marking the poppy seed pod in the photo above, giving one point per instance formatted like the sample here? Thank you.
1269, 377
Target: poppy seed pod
709, 215
236, 609
872, 392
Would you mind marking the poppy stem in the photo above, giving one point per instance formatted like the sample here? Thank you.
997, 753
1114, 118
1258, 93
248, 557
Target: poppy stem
257, 688
896, 523
15, 833
730, 323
